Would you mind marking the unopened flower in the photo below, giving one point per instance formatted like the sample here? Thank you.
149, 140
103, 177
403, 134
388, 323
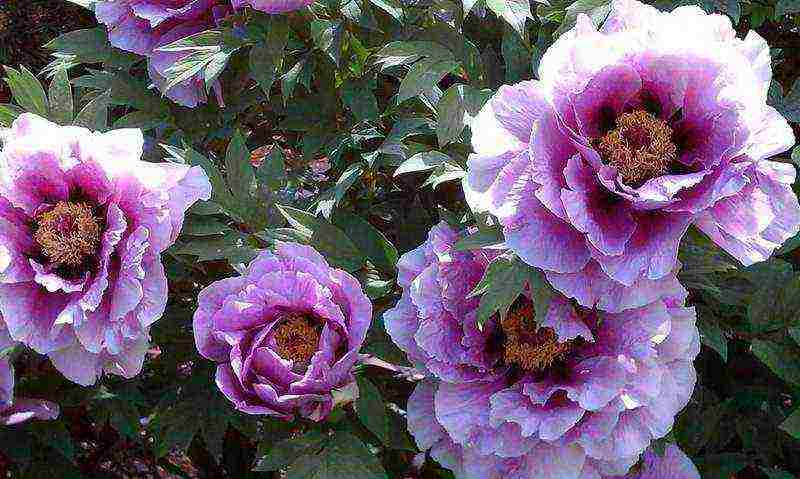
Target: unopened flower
285, 335
83, 223
144, 26
17, 410
635, 132
583, 390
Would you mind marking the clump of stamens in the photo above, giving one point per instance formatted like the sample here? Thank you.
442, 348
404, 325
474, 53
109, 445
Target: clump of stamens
528, 345
297, 338
68, 233
640, 147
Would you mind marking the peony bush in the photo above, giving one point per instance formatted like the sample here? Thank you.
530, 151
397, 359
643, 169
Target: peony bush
387, 239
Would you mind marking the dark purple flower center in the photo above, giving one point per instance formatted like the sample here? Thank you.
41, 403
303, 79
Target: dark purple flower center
640, 147
528, 345
68, 234
297, 338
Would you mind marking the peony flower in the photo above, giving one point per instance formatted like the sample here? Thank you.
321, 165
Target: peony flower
273, 6
635, 132
285, 335
18, 410
83, 223
584, 390
673, 464
144, 26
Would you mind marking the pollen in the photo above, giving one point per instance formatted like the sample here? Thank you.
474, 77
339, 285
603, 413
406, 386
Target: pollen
297, 338
640, 147
527, 345
68, 233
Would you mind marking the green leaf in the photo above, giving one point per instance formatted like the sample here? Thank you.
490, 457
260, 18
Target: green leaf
239, 170
423, 76
26, 90
405, 53
144, 120
330, 199
329, 240
721, 466
203, 226
789, 106
277, 456
89, 46
94, 115
458, 105
596, 10
540, 290
786, 7
233, 247
516, 56
9, 113
782, 359
515, 12
60, 98
776, 473
328, 36
503, 281
54, 434
712, 335
272, 171
360, 99
423, 161
266, 58
480, 239
792, 424
374, 244
371, 410
344, 456
299, 73
775, 305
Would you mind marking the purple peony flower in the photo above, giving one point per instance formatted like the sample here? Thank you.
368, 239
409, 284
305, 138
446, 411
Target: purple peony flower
585, 390
656, 122
673, 464
17, 410
144, 26
273, 6
83, 222
285, 335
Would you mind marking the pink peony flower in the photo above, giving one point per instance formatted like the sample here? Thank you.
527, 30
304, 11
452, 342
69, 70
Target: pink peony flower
83, 223
285, 335
635, 132
583, 391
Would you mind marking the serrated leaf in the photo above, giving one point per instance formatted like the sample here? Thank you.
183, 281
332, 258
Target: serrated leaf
60, 98
371, 410
541, 291
329, 240
233, 247
26, 90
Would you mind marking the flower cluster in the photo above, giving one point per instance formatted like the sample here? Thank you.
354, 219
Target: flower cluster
145, 26
656, 122
286, 334
582, 394
83, 223
17, 410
